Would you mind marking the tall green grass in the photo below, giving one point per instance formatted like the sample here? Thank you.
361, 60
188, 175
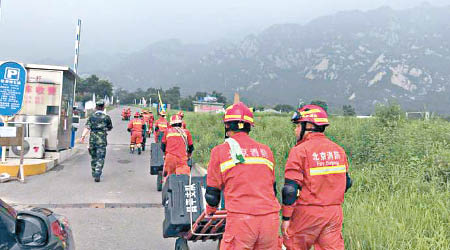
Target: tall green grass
401, 171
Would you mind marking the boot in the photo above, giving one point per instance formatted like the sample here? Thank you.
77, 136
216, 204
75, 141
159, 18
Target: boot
96, 176
139, 151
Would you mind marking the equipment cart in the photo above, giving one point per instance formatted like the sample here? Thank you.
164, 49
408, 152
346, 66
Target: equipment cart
157, 163
184, 209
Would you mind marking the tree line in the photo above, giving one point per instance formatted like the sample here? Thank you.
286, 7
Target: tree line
93, 84
170, 96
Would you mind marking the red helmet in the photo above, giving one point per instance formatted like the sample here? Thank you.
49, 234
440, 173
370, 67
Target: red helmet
175, 119
311, 113
136, 114
181, 114
238, 112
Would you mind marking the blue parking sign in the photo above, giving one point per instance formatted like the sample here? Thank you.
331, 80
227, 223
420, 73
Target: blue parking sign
13, 78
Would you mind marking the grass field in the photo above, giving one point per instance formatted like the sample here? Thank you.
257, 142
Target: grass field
400, 198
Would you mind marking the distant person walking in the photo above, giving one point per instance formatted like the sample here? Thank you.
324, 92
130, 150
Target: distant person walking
97, 126
161, 125
136, 127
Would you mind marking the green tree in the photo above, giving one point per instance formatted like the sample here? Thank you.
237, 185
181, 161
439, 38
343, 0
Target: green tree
389, 115
93, 84
259, 108
219, 96
200, 95
284, 108
186, 103
172, 96
348, 110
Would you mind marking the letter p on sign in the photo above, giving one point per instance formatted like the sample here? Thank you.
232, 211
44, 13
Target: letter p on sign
12, 74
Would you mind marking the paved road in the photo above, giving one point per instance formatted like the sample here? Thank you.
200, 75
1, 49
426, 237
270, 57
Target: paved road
129, 215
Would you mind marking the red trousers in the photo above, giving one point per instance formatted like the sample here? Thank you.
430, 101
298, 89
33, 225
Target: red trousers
320, 226
251, 232
176, 165
136, 137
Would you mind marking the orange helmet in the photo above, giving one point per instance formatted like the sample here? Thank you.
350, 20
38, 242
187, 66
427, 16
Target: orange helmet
238, 112
136, 114
181, 114
175, 119
311, 113
162, 113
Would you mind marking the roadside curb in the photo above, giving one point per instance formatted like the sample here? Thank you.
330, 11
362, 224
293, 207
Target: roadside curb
37, 166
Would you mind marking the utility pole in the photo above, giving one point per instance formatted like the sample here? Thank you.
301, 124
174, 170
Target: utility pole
75, 60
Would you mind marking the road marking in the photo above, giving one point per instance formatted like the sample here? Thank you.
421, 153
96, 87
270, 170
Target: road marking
96, 205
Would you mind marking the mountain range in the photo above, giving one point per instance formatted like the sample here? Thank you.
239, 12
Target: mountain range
359, 58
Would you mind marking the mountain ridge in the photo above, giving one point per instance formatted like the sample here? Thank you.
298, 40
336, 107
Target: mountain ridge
353, 57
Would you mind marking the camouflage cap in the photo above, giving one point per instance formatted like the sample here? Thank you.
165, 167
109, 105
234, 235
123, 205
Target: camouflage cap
100, 103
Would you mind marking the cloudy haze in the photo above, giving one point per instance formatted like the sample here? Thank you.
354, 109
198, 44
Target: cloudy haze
35, 29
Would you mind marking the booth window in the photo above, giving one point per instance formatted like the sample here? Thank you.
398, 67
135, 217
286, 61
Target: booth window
52, 110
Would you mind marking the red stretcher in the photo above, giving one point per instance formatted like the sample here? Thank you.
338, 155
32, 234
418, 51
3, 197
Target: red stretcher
204, 228
207, 227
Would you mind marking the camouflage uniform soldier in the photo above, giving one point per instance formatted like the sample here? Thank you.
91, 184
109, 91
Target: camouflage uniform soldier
97, 124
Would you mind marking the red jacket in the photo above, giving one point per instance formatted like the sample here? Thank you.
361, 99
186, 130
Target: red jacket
248, 187
318, 165
175, 143
161, 124
136, 125
146, 118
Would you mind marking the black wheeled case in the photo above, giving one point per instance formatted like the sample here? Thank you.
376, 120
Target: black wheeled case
179, 199
157, 158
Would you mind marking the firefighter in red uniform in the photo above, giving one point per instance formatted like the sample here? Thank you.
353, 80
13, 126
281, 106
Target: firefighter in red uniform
124, 114
181, 114
178, 147
152, 119
146, 116
161, 126
316, 178
244, 170
136, 126
128, 113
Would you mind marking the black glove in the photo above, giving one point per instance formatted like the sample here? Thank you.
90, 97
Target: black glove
348, 183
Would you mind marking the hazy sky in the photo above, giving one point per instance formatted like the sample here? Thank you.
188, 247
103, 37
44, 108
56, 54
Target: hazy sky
35, 29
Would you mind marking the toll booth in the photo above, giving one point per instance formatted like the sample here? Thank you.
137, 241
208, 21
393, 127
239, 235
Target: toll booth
48, 105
